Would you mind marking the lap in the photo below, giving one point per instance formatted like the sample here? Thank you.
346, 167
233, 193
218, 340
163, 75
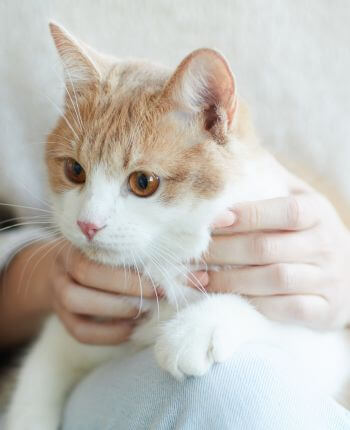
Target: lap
258, 389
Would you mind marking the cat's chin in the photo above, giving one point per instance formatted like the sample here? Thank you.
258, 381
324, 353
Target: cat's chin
104, 256
99, 254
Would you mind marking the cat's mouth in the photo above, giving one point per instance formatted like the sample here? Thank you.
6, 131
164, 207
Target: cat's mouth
96, 250
102, 251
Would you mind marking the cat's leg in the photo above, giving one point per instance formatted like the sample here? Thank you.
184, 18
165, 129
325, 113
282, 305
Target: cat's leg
212, 329
208, 331
54, 364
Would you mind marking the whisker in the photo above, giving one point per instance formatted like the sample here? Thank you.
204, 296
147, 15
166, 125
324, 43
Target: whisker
140, 284
69, 252
61, 137
51, 245
20, 248
175, 256
180, 247
9, 227
64, 117
154, 287
76, 101
166, 275
30, 192
32, 217
175, 264
75, 107
26, 207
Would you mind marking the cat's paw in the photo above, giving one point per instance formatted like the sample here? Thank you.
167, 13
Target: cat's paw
186, 350
205, 333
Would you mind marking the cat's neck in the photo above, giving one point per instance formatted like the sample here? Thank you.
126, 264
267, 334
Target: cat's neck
256, 174
260, 178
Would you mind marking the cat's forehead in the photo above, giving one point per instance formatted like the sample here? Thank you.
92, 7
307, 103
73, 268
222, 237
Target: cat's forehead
125, 127
126, 76
124, 122
134, 136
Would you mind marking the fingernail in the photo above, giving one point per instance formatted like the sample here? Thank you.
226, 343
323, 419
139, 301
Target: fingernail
201, 279
226, 219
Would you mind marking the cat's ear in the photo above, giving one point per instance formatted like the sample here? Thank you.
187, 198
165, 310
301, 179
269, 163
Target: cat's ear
80, 62
204, 84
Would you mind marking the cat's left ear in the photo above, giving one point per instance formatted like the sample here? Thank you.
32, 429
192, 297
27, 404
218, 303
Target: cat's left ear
204, 84
80, 62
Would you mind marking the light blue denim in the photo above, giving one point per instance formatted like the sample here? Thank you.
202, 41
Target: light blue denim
259, 389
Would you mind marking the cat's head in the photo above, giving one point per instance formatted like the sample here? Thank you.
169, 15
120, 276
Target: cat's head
140, 162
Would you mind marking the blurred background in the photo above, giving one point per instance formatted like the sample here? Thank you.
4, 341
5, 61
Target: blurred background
291, 59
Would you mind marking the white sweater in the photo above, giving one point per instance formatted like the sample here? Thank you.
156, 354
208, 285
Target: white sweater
22, 185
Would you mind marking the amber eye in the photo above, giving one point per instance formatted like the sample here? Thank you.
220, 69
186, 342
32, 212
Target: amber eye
143, 184
74, 172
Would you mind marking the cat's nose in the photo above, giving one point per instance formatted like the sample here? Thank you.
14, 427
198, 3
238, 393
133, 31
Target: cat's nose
89, 229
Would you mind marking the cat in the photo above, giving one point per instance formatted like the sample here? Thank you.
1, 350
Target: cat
140, 165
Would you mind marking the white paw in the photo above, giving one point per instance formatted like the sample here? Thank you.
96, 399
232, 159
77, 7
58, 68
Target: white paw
185, 350
205, 333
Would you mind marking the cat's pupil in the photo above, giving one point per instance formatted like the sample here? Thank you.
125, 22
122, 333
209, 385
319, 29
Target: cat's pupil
142, 181
77, 168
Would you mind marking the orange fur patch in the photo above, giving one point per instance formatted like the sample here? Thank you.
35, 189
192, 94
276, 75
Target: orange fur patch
125, 123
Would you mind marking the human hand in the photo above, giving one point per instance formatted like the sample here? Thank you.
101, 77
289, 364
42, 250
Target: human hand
93, 301
293, 257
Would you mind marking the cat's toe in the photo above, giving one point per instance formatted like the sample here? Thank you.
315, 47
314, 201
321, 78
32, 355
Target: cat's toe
222, 346
183, 356
206, 333
184, 349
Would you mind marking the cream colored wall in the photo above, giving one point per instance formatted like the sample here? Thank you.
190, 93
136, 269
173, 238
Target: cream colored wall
291, 59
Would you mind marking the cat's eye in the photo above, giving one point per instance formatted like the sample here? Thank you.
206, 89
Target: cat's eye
143, 184
74, 171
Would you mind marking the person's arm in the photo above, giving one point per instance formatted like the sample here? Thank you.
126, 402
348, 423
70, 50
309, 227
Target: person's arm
18, 304
51, 277
293, 255
89, 298
23, 299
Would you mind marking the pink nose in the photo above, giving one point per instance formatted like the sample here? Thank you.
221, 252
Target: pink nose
89, 229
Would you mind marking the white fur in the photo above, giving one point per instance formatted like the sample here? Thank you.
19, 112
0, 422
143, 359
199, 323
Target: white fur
193, 330
190, 333
194, 86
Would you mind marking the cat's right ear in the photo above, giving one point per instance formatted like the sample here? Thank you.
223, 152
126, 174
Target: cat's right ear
203, 85
79, 61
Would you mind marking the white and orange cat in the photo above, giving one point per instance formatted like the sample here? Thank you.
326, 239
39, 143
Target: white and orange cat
142, 163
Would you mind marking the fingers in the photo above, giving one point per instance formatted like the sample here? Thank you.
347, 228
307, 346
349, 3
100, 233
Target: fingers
92, 332
92, 316
296, 212
198, 279
90, 274
224, 220
88, 301
261, 249
311, 310
274, 279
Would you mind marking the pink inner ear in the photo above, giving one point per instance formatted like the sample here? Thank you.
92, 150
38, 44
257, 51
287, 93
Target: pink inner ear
203, 82
221, 86
211, 117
